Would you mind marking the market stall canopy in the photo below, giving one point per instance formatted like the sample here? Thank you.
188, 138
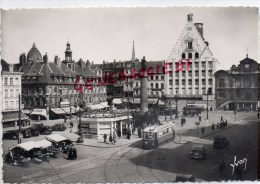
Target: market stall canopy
26, 111
67, 109
58, 111
27, 146
43, 143
138, 101
56, 138
117, 101
71, 136
104, 104
95, 106
41, 112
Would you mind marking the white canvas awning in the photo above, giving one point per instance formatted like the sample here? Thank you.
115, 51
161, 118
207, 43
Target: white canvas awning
117, 101
67, 109
71, 136
27, 146
43, 143
58, 111
41, 112
95, 106
104, 104
56, 138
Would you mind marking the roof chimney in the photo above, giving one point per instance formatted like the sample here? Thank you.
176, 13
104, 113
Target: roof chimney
57, 61
81, 63
189, 17
45, 58
22, 59
11, 68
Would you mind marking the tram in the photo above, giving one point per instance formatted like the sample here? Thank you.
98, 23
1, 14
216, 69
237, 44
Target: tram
155, 135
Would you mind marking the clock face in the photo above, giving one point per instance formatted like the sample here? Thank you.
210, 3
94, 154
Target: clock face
246, 65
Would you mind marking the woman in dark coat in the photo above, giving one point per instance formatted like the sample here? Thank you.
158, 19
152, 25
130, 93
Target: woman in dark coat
70, 154
75, 156
110, 138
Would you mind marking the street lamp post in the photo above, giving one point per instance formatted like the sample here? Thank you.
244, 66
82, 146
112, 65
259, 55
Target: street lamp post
207, 104
176, 99
80, 140
19, 121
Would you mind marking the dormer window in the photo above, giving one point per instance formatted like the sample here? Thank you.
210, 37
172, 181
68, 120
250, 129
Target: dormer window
189, 45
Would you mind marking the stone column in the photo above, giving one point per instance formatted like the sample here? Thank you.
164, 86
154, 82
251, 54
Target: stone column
111, 128
97, 130
121, 129
144, 91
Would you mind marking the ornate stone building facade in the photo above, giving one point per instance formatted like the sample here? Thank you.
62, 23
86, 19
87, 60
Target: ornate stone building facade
239, 87
47, 86
191, 63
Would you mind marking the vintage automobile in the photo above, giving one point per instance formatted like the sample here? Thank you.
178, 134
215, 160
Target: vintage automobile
58, 127
184, 177
26, 133
35, 131
10, 135
191, 111
220, 142
45, 130
198, 151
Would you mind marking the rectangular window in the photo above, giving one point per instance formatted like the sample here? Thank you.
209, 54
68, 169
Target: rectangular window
17, 92
11, 93
177, 74
197, 82
221, 83
177, 82
170, 82
11, 81
6, 81
203, 82
136, 84
6, 105
156, 85
162, 85
151, 85
16, 81
183, 82
156, 77
12, 105
189, 45
162, 77
210, 81
6, 93
183, 74
170, 73
190, 82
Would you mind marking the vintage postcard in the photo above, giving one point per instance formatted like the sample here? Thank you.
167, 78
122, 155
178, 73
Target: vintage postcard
127, 95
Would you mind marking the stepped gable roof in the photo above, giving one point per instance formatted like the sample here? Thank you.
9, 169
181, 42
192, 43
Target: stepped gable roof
34, 54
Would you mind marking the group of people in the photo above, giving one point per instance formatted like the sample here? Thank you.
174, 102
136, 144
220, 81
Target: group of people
72, 154
111, 138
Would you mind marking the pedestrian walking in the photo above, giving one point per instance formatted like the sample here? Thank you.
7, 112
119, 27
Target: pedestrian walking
202, 130
75, 156
114, 139
70, 154
199, 118
110, 138
221, 119
258, 115
105, 138
182, 121
128, 135
213, 127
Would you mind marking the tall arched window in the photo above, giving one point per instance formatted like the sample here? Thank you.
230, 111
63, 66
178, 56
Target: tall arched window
196, 55
190, 56
183, 56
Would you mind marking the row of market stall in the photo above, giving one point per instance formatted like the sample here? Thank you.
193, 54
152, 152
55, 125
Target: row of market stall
37, 151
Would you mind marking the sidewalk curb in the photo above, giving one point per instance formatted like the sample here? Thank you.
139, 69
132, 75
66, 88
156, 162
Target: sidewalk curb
81, 144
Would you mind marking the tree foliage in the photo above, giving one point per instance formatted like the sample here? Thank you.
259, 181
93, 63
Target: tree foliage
148, 118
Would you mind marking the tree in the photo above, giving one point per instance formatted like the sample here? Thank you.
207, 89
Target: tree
148, 118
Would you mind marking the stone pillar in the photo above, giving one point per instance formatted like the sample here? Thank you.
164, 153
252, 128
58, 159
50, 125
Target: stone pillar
121, 129
144, 91
97, 130
111, 128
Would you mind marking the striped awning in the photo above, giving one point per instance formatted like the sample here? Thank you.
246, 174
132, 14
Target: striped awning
13, 116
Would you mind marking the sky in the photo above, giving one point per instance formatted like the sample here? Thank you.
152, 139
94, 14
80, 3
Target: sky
98, 34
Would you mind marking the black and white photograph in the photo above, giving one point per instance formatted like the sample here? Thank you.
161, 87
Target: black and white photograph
130, 95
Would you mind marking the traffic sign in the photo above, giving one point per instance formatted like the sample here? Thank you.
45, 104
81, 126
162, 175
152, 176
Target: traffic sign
197, 123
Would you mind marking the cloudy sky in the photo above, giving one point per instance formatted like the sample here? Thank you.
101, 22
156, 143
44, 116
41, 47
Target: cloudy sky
99, 34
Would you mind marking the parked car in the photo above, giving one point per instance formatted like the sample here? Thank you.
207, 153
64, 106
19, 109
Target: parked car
26, 133
184, 177
58, 127
35, 131
10, 135
46, 130
198, 151
220, 142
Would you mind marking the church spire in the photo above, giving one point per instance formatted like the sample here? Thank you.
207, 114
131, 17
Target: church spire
133, 52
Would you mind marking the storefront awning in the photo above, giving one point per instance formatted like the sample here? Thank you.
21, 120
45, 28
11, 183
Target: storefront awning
58, 111
13, 116
56, 138
117, 101
26, 111
71, 136
41, 112
95, 106
150, 101
67, 110
43, 143
27, 146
